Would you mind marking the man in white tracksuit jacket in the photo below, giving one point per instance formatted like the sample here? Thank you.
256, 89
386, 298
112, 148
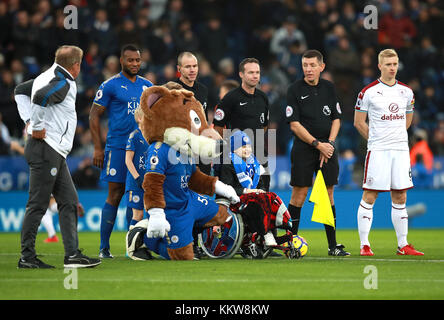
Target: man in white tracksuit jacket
51, 130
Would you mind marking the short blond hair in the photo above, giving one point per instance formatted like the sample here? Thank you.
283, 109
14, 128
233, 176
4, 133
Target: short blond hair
67, 56
184, 54
387, 53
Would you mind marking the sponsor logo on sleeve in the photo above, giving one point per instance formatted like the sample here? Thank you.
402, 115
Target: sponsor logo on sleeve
289, 111
219, 114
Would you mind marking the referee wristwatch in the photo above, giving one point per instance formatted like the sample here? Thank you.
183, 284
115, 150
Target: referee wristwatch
315, 143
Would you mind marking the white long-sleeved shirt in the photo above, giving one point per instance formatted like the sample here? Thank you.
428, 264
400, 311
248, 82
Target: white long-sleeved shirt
22, 96
53, 108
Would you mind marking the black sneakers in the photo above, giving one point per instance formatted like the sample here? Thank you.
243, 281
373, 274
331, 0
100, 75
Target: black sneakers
135, 247
198, 252
105, 254
142, 254
338, 251
79, 260
35, 263
251, 251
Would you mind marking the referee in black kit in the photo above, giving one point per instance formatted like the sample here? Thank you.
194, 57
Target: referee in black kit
313, 112
188, 67
246, 107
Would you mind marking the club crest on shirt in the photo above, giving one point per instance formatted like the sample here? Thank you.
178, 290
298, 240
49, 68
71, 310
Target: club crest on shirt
174, 239
326, 110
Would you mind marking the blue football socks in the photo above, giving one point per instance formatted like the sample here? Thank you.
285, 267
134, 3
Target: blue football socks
129, 217
133, 222
109, 214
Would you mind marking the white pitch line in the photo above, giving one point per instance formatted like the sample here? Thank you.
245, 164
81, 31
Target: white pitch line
218, 280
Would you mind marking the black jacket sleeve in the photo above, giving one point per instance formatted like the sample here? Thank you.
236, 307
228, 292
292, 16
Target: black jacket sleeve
228, 176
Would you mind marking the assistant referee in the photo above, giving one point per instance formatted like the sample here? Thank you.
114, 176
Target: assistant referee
313, 112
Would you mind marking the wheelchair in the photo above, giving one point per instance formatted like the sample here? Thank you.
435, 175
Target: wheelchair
239, 235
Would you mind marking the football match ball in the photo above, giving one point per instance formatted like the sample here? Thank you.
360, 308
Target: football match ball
300, 243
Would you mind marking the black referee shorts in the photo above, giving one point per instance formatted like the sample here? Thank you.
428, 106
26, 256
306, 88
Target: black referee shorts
305, 164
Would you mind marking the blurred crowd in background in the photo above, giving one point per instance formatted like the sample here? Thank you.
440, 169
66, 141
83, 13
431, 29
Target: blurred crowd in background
223, 32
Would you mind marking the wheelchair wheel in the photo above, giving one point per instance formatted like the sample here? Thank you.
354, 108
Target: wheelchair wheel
226, 243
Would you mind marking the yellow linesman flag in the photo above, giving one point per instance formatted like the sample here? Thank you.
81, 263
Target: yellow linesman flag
322, 211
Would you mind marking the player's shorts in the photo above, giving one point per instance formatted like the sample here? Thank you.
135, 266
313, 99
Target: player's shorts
386, 170
305, 164
134, 199
201, 209
114, 167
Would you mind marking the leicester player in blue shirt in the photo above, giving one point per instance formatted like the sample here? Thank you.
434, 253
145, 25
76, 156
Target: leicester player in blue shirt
119, 96
135, 159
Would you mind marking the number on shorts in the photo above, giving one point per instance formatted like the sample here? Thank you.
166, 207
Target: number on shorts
203, 200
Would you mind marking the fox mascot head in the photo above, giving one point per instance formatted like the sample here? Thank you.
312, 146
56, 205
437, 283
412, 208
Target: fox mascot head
177, 118
173, 116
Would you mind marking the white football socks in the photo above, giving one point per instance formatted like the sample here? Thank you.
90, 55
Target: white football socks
48, 223
365, 219
400, 223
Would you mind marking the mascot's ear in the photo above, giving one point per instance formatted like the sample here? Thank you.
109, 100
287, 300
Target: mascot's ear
151, 95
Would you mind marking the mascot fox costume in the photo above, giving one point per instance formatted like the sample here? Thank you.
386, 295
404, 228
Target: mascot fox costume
175, 126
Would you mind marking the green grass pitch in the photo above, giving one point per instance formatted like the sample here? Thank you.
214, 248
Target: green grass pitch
385, 276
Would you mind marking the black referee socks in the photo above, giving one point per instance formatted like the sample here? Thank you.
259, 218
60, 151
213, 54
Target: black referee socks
295, 213
331, 232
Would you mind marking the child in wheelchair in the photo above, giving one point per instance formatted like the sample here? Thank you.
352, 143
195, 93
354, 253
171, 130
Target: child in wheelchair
262, 212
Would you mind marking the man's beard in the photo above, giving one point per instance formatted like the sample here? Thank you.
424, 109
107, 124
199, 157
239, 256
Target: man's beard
128, 71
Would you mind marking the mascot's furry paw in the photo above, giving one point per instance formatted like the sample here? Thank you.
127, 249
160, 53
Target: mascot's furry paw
158, 226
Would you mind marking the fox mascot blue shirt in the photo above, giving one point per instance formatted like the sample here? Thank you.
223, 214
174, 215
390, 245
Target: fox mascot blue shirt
175, 190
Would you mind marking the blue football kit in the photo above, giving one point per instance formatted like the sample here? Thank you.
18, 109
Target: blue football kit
121, 97
184, 207
133, 192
